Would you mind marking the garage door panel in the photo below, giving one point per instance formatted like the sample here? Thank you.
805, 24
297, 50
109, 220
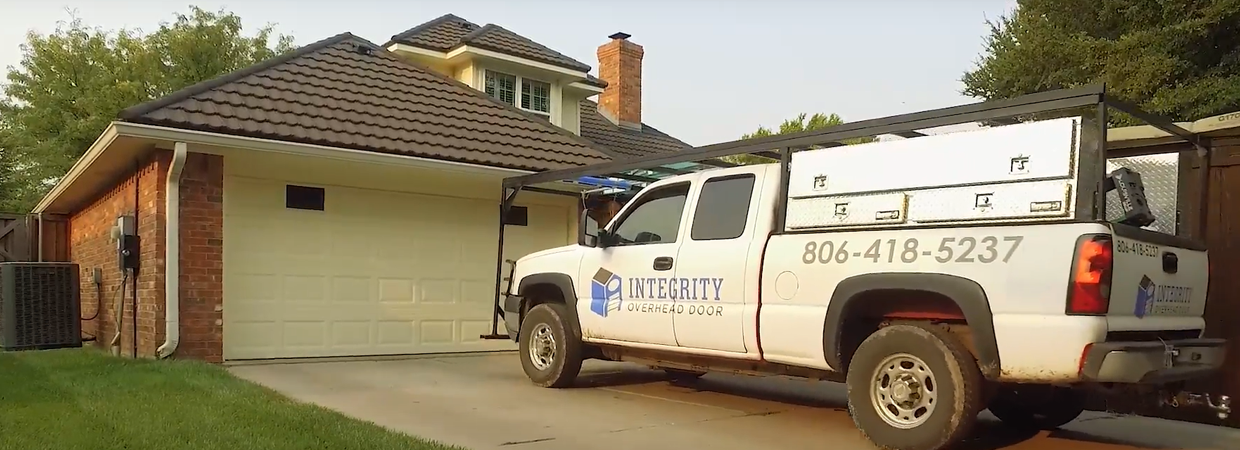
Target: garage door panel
352, 290
304, 333
395, 333
548, 228
375, 273
303, 303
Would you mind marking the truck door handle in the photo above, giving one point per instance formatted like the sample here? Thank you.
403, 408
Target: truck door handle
663, 263
1170, 262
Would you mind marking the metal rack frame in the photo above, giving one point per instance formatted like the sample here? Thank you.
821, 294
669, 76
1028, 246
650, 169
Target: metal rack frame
1092, 101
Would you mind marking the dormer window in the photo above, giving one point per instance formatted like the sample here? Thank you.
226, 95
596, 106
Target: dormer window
535, 95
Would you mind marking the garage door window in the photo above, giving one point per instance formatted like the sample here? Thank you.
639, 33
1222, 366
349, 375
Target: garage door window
518, 216
304, 197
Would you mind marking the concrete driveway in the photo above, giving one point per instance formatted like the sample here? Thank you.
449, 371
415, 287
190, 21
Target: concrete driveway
485, 402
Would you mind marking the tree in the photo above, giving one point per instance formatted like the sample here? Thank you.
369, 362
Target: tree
8, 186
796, 125
1176, 58
71, 83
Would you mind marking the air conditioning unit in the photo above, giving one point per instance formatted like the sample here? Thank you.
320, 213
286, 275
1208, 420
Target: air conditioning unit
39, 306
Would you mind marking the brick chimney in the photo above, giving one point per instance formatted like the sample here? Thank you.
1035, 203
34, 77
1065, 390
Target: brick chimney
620, 65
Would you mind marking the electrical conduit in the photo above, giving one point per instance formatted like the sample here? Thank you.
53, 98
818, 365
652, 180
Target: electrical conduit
172, 253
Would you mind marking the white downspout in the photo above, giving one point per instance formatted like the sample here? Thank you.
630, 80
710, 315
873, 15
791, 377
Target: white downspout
172, 253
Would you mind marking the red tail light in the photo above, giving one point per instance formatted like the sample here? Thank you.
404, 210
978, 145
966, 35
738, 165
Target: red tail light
1091, 277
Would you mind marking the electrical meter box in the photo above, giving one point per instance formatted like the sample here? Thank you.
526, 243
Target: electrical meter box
1022, 172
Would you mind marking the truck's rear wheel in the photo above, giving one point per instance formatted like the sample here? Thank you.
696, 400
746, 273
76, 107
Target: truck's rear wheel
550, 356
1037, 407
914, 387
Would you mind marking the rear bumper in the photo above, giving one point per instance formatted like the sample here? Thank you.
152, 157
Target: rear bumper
1152, 362
512, 315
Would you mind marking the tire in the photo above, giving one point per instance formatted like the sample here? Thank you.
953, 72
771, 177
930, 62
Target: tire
948, 402
1036, 408
678, 375
559, 367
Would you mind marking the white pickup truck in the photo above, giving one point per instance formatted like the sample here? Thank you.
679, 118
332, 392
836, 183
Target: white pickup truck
937, 277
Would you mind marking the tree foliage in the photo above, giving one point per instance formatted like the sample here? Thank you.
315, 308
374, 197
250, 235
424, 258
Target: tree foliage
8, 183
1177, 58
74, 81
795, 125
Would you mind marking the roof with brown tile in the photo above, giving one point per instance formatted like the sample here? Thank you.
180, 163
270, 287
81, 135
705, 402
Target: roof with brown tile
346, 92
449, 31
625, 142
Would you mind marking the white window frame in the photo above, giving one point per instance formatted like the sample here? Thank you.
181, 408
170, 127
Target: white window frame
517, 95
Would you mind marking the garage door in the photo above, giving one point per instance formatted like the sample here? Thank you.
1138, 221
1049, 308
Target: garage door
372, 273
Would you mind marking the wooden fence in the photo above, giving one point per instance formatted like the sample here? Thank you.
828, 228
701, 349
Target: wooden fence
1221, 232
20, 237
1220, 229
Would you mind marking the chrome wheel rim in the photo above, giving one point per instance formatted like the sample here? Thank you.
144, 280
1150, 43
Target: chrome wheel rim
542, 347
904, 391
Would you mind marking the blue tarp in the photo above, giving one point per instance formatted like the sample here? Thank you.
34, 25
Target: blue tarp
607, 182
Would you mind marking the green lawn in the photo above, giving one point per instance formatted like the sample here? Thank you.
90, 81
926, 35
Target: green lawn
71, 399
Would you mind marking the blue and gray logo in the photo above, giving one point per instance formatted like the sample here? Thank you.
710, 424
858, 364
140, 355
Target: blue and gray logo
606, 292
1145, 297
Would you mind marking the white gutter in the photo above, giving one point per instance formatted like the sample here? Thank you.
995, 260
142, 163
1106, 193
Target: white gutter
172, 253
204, 140
208, 142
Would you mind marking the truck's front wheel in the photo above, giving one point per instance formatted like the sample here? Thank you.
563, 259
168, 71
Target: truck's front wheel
550, 356
914, 387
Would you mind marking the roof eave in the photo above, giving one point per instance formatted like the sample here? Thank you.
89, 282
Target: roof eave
259, 141
80, 166
574, 67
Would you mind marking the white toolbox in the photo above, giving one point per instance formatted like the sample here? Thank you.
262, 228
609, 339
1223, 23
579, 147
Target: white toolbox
1016, 172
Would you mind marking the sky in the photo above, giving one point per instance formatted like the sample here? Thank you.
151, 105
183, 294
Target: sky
713, 69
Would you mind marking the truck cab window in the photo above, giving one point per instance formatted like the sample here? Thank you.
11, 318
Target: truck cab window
723, 208
656, 218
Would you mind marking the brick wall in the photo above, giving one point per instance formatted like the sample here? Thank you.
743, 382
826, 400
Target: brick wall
91, 246
202, 258
201, 288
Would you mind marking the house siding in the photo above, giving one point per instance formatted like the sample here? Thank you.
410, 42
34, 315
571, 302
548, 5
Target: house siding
91, 246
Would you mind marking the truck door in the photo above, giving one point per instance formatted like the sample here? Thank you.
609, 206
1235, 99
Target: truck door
711, 265
627, 284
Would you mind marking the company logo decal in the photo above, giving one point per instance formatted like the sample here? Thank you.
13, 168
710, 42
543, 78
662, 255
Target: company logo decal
606, 292
610, 293
1162, 300
1145, 296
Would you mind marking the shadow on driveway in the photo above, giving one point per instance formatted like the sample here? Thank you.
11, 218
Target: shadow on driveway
485, 402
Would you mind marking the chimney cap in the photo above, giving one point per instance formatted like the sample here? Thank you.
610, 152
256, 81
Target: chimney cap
620, 35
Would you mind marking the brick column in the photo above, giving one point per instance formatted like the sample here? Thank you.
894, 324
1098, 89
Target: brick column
202, 258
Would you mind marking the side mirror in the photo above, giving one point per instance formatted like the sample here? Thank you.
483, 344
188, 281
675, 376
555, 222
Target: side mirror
585, 236
606, 239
